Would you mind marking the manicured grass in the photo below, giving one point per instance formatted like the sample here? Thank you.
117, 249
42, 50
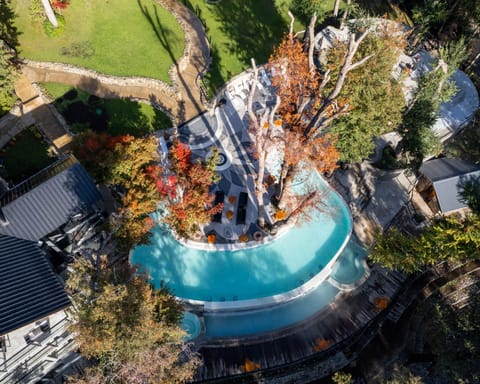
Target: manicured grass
118, 37
122, 116
25, 155
241, 29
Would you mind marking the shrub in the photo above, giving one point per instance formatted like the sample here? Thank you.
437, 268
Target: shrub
51, 31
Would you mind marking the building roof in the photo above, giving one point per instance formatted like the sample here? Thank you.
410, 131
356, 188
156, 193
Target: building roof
448, 176
29, 290
47, 200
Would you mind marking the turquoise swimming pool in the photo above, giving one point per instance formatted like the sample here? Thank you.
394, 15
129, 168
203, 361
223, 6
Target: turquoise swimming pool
230, 276
351, 267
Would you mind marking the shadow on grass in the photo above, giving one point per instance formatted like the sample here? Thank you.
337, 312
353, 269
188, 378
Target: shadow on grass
253, 28
116, 116
163, 37
8, 31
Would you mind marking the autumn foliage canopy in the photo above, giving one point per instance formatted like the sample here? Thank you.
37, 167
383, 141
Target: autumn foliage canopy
187, 191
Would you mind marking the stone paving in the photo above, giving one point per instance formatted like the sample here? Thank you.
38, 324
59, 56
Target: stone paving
226, 128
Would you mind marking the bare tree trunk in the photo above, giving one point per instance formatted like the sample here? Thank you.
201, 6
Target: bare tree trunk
292, 21
336, 8
311, 41
443, 66
49, 12
259, 188
320, 118
472, 62
282, 183
345, 14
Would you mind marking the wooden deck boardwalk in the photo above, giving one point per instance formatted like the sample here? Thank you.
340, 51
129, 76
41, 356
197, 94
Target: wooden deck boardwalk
322, 337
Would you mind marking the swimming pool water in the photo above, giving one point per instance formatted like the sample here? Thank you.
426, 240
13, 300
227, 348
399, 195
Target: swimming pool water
278, 267
349, 267
219, 325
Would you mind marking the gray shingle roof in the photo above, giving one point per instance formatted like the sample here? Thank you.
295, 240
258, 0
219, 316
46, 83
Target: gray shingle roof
447, 176
29, 290
38, 206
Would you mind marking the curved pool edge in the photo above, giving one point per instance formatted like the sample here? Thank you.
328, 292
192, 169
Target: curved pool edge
277, 299
350, 287
201, 245
281, 298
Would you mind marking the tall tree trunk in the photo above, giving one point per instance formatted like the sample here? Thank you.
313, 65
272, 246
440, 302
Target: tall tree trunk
282, 182
311, 42
49, 12
345, 14
336, 8
259, 188
320, 118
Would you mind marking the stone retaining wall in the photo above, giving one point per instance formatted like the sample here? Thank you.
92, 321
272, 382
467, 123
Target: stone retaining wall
102, 85
184, 60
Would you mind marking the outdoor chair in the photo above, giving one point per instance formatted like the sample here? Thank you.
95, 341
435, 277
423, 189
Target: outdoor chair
242, 208
219, 198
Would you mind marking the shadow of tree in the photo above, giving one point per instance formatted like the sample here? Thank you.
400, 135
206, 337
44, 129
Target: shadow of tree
253, 26
214, 77
8, 31
115, 115
163, 37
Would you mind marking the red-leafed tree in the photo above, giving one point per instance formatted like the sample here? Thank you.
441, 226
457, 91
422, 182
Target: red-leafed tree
187, 190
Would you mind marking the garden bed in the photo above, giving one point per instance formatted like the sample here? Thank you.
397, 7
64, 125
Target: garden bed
24, 155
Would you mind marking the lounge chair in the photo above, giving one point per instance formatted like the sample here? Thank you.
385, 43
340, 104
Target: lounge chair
242, 208
219, 198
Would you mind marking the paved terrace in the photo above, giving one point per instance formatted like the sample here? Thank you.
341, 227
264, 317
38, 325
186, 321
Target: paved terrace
226, 128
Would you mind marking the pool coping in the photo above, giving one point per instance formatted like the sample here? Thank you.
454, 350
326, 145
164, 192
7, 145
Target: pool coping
280, 298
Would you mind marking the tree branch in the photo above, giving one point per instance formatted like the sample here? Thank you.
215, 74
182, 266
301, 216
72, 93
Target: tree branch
292, 20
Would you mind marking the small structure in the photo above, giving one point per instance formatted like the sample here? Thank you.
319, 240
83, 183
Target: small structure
441, 181
33, 321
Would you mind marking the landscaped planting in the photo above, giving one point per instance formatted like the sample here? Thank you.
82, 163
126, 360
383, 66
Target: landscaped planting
24, 155
121, 37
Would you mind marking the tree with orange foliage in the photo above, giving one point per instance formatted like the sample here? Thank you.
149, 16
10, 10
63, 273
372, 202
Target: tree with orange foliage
129, 166
187, 190
313, 97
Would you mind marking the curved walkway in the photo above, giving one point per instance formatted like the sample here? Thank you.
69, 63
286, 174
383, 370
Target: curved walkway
181, 102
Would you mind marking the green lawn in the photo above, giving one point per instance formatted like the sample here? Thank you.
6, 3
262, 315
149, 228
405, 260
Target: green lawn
118, 37
122, 116
24, 155
241, 29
